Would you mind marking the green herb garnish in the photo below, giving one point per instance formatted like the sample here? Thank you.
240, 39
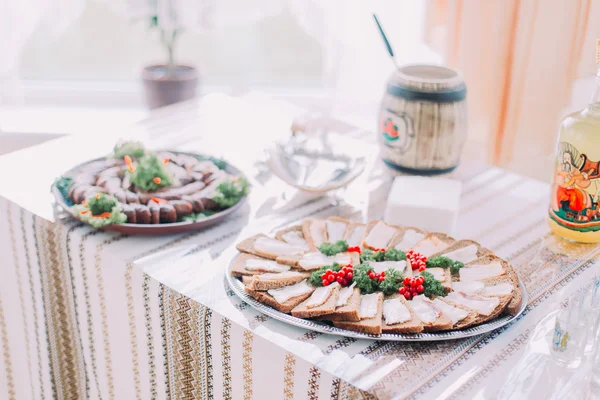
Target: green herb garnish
219, 163
63, 184
100, 210
370, 255
131, 149
147, 170
394, 255
363, 282
432, 286
230, 192
101, 203
331, 249
315, 277
196, 216
392, 282
444, 262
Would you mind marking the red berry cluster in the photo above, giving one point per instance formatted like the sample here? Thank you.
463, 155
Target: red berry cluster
354, 249
380, 276
412, 287
343, 276
417, 260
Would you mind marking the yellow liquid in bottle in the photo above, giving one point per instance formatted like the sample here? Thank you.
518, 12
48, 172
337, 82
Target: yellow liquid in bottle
574, 212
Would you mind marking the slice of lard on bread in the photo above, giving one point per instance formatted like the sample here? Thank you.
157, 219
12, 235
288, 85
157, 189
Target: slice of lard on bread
443, 275
399, 317
277, 280
315, 232
432, 244
322, 301
487, 307
283, 299
249, 265
264, 246
465, 251
378, 235
407, 237
315, 260
336, 228
432, 318
460, 316
347, 305
354, 234
294, 236
370, 313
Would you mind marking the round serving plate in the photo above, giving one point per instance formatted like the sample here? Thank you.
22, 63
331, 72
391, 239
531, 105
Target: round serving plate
156, 229
319, 326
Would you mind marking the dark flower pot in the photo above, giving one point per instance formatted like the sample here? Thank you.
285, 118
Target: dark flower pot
164, 87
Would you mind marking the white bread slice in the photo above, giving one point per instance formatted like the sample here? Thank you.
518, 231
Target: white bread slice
238, 269
270, 301
315, 232
264, 282
407, 237
432, 244
466, 251
336, 228
468, 320
303, 310
413, 325
423, 307
248, 246
354, 234
347, 312
378, 235
515, 303
369, 325
294, 236
481, 317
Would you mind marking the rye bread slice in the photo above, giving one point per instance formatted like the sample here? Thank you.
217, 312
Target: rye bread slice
349, 233
481, 251
413, 325
480, 319
517, 296
469, 320
309, 239
302, 311
238, 269
370, 227
295, 228
270, 301
295, 262
348, 312
247, 246
490, 259
258, 282
447, 282
401, 231
441, 323
336, 219
371, 325
445, 239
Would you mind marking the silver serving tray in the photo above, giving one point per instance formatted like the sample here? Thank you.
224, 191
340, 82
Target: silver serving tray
156, 229
319, 326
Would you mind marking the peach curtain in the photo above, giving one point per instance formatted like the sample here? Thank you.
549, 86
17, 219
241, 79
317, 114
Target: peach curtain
519, 58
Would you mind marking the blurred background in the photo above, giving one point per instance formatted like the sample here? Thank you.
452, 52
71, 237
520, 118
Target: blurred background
67, 64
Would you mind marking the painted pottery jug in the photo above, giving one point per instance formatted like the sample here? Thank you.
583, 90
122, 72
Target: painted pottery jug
423, 119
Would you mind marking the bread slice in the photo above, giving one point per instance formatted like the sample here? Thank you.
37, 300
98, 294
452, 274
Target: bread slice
337, 221
295, 228
302, 310
485, 261
481, 318
516, 295
264, 282
413, 325
238, 269
247, 246
314, 239
354, 234
447, 282
469, 320
369, 228
433, 243
408, 232
515, 303
348, 312
294, 261
370, 325
480, 251
297, 236
441, 323
270, 301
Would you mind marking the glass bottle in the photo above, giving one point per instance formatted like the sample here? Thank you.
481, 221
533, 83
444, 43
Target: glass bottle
574, 212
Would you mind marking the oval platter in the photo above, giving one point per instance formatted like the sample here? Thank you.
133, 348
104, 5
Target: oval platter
156, 229
319, 326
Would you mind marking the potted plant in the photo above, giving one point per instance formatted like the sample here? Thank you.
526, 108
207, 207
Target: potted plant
168, 83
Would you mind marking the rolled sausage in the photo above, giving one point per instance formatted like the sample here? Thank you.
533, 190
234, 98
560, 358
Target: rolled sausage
142, 213
167, 213
130, 212
182, 207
